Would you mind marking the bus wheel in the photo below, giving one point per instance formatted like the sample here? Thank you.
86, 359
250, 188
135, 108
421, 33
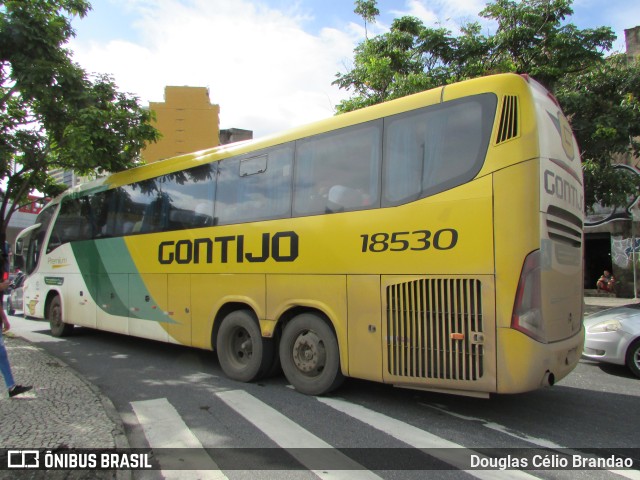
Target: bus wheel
54, 315
309, 355
243, 354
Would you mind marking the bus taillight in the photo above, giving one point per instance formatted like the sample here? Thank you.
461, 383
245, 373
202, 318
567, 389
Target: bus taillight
527, 310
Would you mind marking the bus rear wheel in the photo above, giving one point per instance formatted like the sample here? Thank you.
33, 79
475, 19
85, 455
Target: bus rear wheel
243, 353
310, 356
54, 315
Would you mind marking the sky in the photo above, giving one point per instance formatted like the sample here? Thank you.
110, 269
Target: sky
268, 64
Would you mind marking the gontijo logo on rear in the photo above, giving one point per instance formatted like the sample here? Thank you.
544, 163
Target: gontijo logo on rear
561, 186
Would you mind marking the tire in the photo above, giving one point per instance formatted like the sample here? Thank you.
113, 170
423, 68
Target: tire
54, 315
633, 357
310, 356
243, 353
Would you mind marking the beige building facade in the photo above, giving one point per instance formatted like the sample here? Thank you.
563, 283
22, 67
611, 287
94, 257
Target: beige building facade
187, 121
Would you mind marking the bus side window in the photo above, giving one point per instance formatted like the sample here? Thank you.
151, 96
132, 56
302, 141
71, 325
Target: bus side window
256, 187
341, 198
33, 241
338, 171
436, 148
457, 152
186, 199
155, 218
112, 225
72, 223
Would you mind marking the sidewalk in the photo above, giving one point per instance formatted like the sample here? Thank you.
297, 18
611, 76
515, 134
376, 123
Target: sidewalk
596, 304
62, 411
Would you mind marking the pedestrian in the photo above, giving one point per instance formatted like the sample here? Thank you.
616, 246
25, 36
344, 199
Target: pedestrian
13, 388
606, 282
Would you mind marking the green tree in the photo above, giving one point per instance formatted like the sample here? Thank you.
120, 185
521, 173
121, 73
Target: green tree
52, 113
387, 66
368, 10
532, 38
603, 105
599, 94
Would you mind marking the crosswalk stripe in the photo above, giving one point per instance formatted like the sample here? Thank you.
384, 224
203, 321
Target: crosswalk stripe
164, 428
541, 442
288, 434
420, 439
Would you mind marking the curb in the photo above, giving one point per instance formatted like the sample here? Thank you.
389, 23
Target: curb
54, 417
119, 437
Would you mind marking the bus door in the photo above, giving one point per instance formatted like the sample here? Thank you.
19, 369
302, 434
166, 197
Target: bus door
79, 307
112, 299
179, 309
148, 310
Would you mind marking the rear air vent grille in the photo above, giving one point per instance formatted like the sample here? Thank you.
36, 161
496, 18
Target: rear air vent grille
564, 226
509, 125
435, 329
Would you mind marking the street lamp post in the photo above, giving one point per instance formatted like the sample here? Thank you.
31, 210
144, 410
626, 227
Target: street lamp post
633, 252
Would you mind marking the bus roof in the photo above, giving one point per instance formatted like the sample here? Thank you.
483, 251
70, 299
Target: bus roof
391, 107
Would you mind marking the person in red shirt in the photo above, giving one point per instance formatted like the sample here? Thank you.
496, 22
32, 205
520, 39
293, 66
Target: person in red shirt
606, 282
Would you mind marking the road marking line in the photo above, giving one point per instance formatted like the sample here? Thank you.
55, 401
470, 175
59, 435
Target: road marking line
164, 428
288, 434
541, 442
420, 439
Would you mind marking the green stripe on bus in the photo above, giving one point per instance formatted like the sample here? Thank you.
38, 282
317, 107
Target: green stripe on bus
116, 283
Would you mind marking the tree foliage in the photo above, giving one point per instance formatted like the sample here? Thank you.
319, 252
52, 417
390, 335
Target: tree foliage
599, 94
53, 114
603, 105
368, 10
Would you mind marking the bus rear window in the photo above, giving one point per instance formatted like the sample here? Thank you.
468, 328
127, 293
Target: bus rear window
433, 149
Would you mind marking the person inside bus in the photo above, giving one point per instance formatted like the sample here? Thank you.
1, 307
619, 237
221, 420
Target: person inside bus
606, 282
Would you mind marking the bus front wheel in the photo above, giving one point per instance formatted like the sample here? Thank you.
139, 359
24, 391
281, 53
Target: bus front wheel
243, 353
310, 356
54, 314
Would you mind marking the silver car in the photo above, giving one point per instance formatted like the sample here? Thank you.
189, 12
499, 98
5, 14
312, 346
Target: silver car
613, 336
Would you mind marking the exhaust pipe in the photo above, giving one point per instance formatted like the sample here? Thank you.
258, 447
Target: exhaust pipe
548, 379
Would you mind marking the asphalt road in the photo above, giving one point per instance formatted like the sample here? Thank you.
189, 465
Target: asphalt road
594, 407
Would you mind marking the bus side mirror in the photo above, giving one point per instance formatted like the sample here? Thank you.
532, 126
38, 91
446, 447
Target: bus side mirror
19, 246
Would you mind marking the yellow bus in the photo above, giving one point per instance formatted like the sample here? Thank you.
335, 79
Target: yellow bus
431, 242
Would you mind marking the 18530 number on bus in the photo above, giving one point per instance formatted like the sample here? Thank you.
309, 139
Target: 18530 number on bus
418, 240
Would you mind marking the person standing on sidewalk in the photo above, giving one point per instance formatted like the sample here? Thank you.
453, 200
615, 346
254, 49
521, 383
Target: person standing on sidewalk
13, 388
